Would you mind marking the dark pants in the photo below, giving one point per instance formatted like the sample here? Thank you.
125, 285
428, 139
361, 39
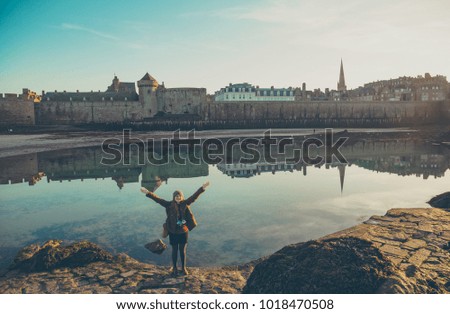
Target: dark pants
178, 243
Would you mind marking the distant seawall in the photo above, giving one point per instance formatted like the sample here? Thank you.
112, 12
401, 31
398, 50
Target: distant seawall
328, 113
16, 110
222, 115
85, 112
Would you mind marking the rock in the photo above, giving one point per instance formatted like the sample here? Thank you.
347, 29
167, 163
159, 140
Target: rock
405, 251
36, 270
346, 265
52, 255
414, 244
441, 201
127, 274
419, 257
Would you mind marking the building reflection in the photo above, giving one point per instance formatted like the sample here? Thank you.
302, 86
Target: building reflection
405, 158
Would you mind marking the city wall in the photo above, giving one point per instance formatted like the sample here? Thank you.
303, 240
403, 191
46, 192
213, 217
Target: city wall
329, 113
16, 110
182, 100
82, 112
63, 110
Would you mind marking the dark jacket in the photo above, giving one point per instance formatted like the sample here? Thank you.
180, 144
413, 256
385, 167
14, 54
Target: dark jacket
175, 211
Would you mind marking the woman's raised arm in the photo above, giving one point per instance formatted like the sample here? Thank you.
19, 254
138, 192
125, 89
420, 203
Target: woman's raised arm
194, 196
155, 197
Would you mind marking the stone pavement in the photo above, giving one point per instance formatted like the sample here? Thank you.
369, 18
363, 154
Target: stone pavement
125, 275
415, 241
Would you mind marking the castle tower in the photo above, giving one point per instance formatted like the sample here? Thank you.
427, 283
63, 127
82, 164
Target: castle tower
114, 87
341, 87
115, 84
148, 86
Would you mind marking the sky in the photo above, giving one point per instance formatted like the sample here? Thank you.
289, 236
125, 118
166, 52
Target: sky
80, 45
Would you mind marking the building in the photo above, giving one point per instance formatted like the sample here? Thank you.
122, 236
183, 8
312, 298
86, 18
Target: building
237, 170
430, 87
120, 103
248, 92
31, 95
405, 88
121, 87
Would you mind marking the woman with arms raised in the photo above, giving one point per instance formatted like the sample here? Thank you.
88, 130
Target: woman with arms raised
179, 222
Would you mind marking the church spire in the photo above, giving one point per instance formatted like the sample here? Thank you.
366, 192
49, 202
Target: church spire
341, 168
341, 84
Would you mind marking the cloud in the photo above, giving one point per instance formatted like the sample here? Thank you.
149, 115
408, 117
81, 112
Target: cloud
119, 41
88, 30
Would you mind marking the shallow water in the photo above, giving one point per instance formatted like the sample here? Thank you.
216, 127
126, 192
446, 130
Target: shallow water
246, 213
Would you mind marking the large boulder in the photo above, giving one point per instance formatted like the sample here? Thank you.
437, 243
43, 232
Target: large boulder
53, 255
343, 265
441, 201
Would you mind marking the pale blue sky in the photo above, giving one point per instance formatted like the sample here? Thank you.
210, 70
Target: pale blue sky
80, 44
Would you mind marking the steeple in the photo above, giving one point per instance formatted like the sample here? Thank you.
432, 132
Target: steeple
342, 175
341, 87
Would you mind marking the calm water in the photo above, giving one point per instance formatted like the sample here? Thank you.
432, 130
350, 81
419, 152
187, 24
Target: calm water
249, 210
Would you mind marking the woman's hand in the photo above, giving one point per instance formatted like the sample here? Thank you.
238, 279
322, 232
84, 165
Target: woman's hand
205, 185
144, 190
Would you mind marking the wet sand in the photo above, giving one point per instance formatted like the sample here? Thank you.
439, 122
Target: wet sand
19, 144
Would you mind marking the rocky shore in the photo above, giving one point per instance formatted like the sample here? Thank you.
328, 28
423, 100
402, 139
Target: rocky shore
404, 251
83, 267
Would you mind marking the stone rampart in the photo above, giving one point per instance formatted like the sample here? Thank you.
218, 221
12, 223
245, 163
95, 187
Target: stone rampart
82, 112
16, 110
344, 114
182, 100
97, 108
185, 102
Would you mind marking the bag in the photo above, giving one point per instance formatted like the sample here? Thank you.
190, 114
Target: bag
157, 246
165, 231
191, 222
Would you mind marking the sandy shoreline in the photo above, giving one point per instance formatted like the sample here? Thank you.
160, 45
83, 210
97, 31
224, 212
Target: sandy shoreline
19, 144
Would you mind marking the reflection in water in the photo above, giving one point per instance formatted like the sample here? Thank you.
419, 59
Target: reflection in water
399, 157
250, 211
